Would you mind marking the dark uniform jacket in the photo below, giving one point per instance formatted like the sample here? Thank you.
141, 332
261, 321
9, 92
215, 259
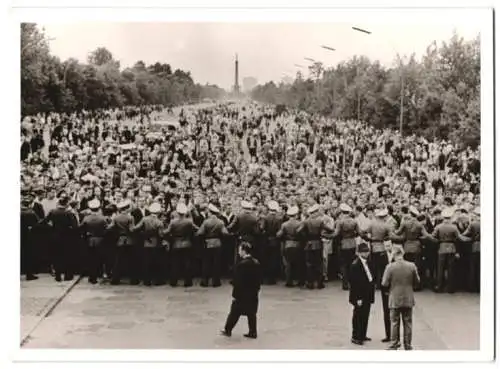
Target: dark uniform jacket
29, 221
122, 226
94, 228
474, 232
63, 223
151, 228
247, 280
212, 229
411, 231
347, 229
447, 235
312, 229
380, 232
289, 232
181, 230
246, 226
271, 224
361, 287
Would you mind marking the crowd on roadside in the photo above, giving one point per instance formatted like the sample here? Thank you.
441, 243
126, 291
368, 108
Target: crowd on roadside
236, 153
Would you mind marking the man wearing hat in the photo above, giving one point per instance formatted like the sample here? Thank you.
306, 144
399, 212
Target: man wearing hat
347, 229
271, 224
63, 223
410, 232
94, 228
121, 227
447, 235
29, 223
361, 294
153, 253
379, 233
311, 230
245, 226
474, 233
212, 230
399, 278
181, 231
289, 234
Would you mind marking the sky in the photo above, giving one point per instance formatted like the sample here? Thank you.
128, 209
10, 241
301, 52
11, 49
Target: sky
266, 51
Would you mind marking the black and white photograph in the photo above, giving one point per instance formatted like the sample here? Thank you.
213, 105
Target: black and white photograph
229, 184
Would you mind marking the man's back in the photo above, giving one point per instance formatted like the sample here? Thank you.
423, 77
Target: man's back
400, 277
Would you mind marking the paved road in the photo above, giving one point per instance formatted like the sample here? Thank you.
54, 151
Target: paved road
138, 317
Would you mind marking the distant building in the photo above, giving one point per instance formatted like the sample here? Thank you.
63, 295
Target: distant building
249, 83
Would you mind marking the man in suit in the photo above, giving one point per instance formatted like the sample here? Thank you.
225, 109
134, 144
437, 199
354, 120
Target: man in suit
400, 277
271, 224
245, 226
121, 228
361, 294
246, 286
385, 259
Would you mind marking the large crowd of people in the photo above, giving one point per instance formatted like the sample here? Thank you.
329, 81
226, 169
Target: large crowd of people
149, 195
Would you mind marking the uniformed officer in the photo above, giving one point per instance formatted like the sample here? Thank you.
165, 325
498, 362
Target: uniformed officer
153, 252
181, 231
212, 230
63, 223
447, 235
121, 227
326, 240
289, 233
29, 222
347, 229
411, 231
474, 233
379, 232
311, 229
245, 226
94, 228
271, 252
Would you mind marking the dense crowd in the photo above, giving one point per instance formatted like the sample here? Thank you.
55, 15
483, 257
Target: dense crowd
150, 195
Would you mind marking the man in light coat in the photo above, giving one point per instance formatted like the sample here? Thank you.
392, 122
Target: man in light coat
400, 277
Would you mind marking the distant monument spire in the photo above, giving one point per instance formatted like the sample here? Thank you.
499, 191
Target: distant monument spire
236, 84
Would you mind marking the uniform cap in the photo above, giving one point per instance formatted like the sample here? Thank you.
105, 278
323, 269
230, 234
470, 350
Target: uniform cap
181, 209
414, 211
381, 213
447, 213
213, 209
313, 209
294, 210
345, 208
273, 205
155, 208
246, 205
94, 204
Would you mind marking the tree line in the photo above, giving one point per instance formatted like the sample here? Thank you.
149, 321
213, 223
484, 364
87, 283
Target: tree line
49, 84
440, 92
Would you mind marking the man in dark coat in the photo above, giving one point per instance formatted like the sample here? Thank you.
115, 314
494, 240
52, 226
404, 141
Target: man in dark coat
361, 294
29, 222
246, 286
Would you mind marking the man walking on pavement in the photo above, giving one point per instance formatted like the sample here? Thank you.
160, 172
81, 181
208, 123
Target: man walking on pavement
400, 277
247, 280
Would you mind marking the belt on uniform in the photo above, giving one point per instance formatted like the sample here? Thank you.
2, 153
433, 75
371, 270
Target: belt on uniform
213, 242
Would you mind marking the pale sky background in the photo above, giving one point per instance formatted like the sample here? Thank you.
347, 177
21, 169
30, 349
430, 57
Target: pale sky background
266, 51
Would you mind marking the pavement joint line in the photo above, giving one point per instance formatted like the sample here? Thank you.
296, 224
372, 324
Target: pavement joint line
49, 309
437, 332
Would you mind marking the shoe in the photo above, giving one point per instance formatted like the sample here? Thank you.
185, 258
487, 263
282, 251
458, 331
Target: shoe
367, 339
250, 335
147, 283
93, 281
134, 282
310, 286
345, 288
357, 342
31, 277
190, 284
394, 346
289, 285
321, 286
159, 283
204, 284
215, 285
385, 340
115, 283
408, 348
225, 333
173, 284
58, 279
68, 278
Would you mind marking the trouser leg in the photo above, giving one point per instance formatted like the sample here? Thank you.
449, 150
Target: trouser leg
365, 318
395, 321
187, 264
356, 323
407, 326
440, 271
252, 324
387, 315
175, 266
318, 267
451, 280
216, 266
119, 260
206, 266
232, 318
